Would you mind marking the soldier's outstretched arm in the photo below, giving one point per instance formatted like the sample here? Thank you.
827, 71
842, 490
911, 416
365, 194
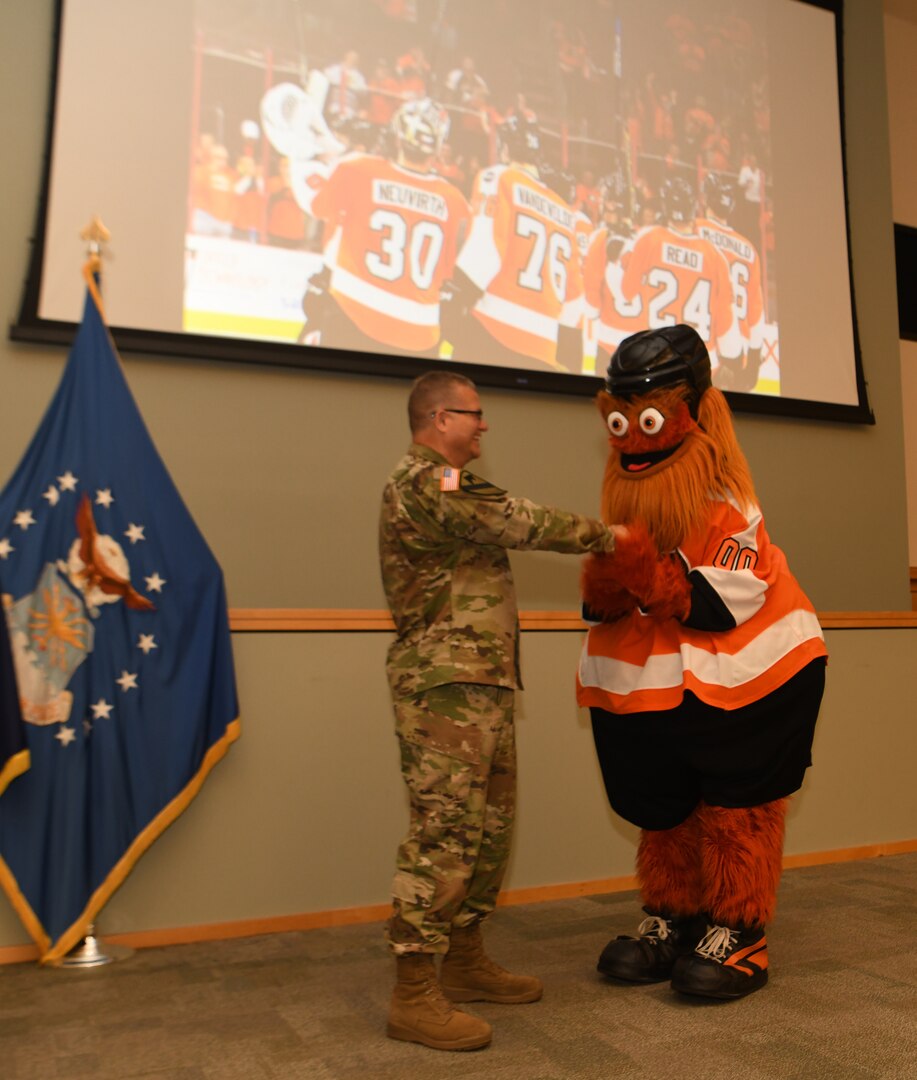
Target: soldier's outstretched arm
477, 510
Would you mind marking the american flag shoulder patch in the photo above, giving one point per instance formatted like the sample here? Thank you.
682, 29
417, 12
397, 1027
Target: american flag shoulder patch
449, 478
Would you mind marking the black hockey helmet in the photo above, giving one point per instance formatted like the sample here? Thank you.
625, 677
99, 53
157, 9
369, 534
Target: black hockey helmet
520, 139
719, 195
652, 359
677, 197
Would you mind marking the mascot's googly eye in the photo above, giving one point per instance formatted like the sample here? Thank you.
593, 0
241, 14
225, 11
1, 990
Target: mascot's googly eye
617, 423
651, 421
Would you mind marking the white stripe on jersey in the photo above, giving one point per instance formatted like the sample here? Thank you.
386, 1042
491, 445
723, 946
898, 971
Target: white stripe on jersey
715, 669
522, 318
611, 335
572, 312
371, 296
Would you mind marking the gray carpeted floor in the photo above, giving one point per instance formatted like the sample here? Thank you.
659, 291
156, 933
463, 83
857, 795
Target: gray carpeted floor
841, 1003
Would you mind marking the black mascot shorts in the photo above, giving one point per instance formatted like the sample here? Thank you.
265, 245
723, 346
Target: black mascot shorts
657, 766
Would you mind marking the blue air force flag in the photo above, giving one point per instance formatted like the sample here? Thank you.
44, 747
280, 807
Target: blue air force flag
120, 639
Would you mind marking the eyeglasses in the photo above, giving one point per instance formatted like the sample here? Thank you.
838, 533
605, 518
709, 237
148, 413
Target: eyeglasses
477, 413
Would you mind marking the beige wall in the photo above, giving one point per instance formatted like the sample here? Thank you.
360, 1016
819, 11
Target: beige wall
282, 471
305, 812
901, 51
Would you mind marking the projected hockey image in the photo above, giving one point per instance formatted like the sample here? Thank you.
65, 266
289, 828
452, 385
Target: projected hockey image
508, 184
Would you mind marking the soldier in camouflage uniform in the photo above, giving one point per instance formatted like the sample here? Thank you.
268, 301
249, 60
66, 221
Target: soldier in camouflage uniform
453, 669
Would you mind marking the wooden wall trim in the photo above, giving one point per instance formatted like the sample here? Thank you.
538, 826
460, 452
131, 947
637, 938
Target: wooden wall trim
316, 920
308, 620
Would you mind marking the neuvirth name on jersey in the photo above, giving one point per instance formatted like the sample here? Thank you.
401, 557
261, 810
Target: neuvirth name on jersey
391, 193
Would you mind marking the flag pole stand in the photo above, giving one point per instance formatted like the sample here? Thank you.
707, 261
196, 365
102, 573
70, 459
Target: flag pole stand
91, 953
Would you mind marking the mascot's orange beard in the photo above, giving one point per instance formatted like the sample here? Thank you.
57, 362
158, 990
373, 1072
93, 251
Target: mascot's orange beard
671, 498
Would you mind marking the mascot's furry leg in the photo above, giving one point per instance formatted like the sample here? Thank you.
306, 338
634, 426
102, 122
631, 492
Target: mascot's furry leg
669, 870
741, 852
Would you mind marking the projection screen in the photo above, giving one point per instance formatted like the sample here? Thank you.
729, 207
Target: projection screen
512, 186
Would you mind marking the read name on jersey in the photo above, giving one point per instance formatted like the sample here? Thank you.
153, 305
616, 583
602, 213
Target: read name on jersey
675, 255
404, 196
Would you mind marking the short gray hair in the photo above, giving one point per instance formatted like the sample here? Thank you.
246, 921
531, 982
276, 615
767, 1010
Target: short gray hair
429, 391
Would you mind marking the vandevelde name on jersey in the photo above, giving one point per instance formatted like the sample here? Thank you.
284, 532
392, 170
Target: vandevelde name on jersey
394, 193
673, 255
541, 204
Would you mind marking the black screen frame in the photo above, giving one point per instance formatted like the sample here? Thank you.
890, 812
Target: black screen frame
29, 327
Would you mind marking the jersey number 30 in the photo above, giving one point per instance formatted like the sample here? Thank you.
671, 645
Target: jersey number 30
413, 249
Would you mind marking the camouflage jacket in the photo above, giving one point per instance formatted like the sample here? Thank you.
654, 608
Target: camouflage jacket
447, 576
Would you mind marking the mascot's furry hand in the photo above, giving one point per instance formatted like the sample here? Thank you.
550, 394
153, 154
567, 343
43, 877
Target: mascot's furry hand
604, 597
636, 574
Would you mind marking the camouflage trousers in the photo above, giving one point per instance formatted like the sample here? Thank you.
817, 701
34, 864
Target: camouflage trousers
458, 759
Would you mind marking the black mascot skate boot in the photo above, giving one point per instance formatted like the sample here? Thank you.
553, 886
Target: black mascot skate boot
650, 957
727, 964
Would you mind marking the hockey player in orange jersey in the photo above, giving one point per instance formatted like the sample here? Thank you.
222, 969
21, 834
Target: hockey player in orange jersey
745, 274
518, 272
680, 278
615, 318
703, 671
392, 233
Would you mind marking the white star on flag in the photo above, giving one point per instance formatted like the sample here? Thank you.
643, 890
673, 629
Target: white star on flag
104, 498
66, 735
101, 710
127, 681
134, 533
147, 642
24, 519
155, 582
67, 482
5, 548
87, 726
52, 495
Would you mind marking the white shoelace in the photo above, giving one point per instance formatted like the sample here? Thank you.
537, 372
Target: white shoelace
717, 943
653, 927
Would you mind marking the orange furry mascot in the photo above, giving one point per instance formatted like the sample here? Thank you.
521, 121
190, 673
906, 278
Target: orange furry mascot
703, 671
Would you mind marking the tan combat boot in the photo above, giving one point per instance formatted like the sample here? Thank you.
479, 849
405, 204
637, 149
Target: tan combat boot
421, 1014
468, 973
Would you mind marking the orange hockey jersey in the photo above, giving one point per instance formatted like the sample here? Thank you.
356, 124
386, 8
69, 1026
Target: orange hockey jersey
683, 279
522, 253
616, 317
390, 242
767, 628
745, 273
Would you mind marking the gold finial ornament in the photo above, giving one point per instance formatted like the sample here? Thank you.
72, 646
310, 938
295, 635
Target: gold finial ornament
95, 234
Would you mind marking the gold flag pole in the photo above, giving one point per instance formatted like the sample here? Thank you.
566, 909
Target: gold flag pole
90, 952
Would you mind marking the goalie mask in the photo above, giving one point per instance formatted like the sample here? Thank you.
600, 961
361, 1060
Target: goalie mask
421, 128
